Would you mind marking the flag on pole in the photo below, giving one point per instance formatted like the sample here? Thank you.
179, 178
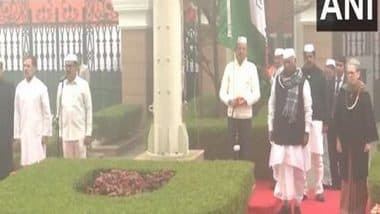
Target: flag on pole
257, 11
243, 18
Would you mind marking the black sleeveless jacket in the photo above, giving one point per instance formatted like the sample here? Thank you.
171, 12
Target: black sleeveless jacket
285, 133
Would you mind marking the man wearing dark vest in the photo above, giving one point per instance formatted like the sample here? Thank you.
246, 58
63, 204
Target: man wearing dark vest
289, 123
318, 93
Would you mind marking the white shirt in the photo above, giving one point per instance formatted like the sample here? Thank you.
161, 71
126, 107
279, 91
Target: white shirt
340, 82
76, 109
240, 81
84, 73
32, 119
276, 73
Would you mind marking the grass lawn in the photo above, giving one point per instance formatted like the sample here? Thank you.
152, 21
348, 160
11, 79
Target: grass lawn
197, 187
374, 178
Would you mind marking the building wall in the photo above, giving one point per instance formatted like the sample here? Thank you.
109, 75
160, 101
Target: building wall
279, 16
305, 31
136, 65
207, 85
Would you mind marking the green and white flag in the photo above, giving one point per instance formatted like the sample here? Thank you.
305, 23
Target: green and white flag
243, 18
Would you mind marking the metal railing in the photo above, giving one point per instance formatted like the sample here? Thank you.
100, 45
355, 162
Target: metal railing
50, 30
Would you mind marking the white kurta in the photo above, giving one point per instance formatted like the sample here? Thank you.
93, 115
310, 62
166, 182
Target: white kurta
315, 149
32, 119
75, 110
240, 81
316, 137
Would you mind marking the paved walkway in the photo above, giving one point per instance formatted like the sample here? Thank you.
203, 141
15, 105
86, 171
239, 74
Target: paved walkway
139, 148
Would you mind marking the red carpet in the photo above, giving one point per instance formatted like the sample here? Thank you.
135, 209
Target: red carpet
262, 201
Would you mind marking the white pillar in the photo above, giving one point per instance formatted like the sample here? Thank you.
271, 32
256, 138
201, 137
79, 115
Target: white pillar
133, 14
168, 135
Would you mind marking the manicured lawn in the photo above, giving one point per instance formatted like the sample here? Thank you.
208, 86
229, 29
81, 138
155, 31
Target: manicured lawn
197, 187
374, 178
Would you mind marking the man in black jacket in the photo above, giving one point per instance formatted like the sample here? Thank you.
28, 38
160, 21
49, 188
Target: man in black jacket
333, 88
318, 93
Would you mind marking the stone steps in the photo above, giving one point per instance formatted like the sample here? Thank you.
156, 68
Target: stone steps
99, 150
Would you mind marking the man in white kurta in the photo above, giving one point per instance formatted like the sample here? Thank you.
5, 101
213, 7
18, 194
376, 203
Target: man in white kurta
32, 117
289, 121
74, 108
239, 90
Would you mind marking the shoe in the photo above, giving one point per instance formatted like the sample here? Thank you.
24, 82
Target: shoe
320, 197
285, 209
305, 197
297, 210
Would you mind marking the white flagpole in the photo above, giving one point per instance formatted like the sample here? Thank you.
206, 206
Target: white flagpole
229, 22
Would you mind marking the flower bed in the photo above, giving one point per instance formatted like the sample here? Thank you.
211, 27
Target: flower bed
197, 187
119, 182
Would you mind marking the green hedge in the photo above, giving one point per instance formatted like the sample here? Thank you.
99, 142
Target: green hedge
374, 178
117, 122
207, 129
197, 187
205, 106
210, 134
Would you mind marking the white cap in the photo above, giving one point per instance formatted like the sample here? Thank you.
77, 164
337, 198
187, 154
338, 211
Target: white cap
279, 52
242, 40
289, 52
308, 48
330, 62
71, 58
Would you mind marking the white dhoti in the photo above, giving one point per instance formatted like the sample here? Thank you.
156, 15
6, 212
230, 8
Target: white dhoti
290, 183
315, 146
289, 165
74, 149
32, 150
